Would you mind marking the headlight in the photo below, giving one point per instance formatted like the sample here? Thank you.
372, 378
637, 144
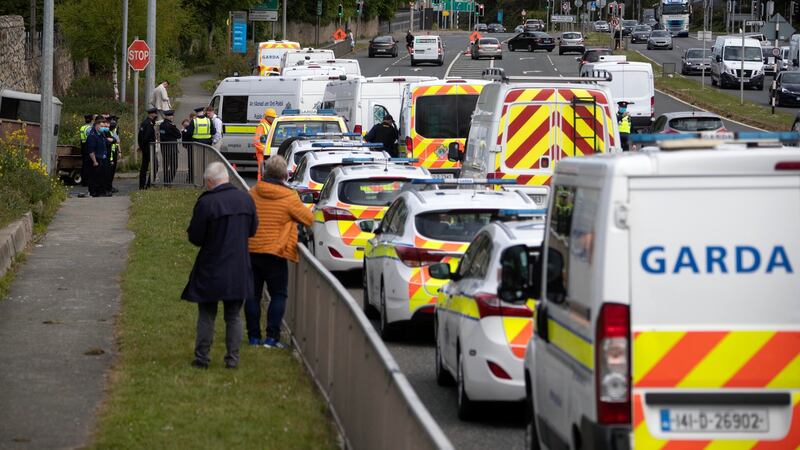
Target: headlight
784, 90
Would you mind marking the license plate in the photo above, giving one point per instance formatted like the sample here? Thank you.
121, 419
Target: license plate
381, 50
419, 51
444, 175
714, 420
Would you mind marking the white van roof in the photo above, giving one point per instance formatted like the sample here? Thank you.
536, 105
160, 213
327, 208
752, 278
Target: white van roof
398, 79
8, 93
737, 40
250, 84
621, 65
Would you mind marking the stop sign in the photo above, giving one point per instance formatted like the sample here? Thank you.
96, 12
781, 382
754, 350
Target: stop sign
138, 55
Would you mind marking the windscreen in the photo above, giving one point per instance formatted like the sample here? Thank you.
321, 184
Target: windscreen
454, 225
488, 41
675, 9
734, 53
383, 40
426, 40
659, 33
696, 124
642, 28
371, 192
698, 54
790, 77
444, 116
629, 23
320, 173
285, 130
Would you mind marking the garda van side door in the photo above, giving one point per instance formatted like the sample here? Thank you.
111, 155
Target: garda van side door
715, 322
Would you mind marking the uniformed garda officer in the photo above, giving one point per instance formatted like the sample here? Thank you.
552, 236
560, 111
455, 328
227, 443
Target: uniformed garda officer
201, 129
147, 135
83, 132
112, 140
624, 121
261, 135
169, 135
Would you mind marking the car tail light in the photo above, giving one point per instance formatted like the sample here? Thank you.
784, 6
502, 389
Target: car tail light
335, 253
652, 106
357, 129
412, 50
498, 371
417, 257
304, 190
612, 368
330, 213
490, 305
409, 146
788, 165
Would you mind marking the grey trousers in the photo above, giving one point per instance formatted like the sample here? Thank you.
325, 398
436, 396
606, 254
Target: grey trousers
207, 314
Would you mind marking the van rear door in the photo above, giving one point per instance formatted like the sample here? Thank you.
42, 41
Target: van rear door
715, 318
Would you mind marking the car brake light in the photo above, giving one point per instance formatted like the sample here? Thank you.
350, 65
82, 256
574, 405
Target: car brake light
490, 305
330, 213
417, 257
412, 50
335, 253
357, 129
612, 368
498, 371
788, 165
652, 106
409, 146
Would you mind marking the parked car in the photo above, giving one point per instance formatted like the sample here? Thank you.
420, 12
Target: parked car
787, 89
487, 47
601, 26
496, 28
570, 41
481, 27
692, 61
383, 45
519, 29
689, 122
628, 26
770, 61
785, 61
537, 40
659, 39
640, 34
592, 55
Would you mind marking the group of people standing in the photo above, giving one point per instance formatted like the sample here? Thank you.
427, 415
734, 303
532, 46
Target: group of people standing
100, 152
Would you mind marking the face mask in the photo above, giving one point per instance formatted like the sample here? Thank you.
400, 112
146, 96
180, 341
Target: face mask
623, 110
104, 129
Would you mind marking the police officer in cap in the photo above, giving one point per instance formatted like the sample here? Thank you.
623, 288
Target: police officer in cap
624, 121
201, 129
112, 144
147, 135
169, 135
385, 133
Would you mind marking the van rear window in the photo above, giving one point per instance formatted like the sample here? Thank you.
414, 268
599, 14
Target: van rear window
285, 130
17, 109
696, 124
234, 109
444, 116
426, 41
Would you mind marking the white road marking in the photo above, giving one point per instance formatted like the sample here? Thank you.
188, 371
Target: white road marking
527, 57
552, 63
531, 71
447, 72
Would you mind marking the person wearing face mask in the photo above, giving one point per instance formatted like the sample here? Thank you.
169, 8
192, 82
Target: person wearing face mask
97, 149
624, 121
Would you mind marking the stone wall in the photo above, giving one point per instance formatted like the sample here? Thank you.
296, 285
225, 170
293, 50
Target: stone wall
304, 33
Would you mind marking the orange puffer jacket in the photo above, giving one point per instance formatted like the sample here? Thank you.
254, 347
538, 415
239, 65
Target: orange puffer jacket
279, 209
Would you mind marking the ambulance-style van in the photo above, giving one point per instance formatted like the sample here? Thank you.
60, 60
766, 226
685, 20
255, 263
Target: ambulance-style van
669, 312
434, 114
270, 54
306, 56
364, 101
522, 127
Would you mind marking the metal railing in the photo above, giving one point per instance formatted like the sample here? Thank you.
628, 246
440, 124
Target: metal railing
371, 400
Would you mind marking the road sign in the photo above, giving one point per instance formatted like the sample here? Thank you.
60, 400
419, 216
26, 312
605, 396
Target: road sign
615, 22
266, 5
578, 3
776, 52
239, 40
445, 13
339, 35
458, 5
319, 7
555, 18
138, 55
524, 13
263, 15
565, 7
754, 23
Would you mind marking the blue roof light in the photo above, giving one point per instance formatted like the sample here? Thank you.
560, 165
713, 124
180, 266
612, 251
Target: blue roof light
522, 212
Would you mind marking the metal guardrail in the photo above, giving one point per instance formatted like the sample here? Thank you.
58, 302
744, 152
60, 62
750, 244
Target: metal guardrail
370, 398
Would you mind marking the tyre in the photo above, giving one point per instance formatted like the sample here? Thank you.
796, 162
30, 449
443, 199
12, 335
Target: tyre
369, 310
499, 57
441, 62
760, 87
531, 434
649, 47
549, 50
413, 63
713, 81
388, 330
560, 52
670, 47
371, 55
75, 176
474, 56
466, 407
443, 377
510, 48
394, 55
530, 48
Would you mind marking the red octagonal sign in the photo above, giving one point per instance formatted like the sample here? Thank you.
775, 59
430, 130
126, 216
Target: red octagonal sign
138, 55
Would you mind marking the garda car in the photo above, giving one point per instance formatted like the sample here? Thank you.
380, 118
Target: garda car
292, 123
660, 325
294, 148
482, 328
360, 190
422, 228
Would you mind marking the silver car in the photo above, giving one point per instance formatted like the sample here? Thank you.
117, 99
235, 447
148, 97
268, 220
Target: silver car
602, 26
570, 41
487, 48
659, 39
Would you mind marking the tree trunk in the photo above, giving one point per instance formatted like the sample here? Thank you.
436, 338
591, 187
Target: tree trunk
116, 81
210, 39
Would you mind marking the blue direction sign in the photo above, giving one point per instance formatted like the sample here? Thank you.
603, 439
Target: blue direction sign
239, 31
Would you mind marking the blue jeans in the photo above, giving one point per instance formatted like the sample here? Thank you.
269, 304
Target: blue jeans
274, 271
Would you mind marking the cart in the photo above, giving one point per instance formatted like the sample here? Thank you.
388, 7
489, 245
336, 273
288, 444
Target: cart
69, 162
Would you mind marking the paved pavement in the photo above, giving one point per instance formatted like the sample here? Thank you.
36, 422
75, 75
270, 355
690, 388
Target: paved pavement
57, 326
194, 95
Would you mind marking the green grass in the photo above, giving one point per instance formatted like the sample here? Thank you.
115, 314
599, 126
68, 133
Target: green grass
155, 399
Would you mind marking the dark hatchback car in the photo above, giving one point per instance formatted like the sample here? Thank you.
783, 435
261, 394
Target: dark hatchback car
532, 41
592, 55
693, 62
787, 89
496, 28
628, 26
640, 34
383, 45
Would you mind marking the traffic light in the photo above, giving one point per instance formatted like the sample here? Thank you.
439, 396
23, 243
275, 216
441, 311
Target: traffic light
360, 8
480, 10
340, 10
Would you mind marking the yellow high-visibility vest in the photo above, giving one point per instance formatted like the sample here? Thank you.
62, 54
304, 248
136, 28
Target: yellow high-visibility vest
625, 125
84, 132
202, 128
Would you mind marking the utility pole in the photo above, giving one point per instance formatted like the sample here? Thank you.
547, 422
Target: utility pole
150, 73
283, 33
123, 63
34, 43
46, 138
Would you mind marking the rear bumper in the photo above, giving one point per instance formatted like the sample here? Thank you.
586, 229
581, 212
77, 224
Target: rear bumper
605, 437
571, 48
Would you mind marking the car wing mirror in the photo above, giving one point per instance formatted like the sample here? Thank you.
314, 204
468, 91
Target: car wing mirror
308, 197
454, 152
369, 226
440, 271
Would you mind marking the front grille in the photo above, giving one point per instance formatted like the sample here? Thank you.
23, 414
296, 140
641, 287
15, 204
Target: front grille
747, 73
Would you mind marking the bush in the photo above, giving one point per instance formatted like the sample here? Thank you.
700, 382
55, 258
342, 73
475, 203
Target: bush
227, 64
91, 87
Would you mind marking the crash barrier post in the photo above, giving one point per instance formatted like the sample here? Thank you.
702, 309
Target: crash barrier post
371, 400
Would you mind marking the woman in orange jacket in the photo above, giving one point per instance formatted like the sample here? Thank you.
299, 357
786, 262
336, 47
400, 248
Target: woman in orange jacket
279, 210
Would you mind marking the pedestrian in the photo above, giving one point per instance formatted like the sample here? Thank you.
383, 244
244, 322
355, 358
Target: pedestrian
617, 37
83, 134
146, 136
200, 128
97, 148
160, 99
169, 135
279, 211
624, 121
352, 40
223, 219
260, 137
386, 133
409, 41
112, 140
216, 139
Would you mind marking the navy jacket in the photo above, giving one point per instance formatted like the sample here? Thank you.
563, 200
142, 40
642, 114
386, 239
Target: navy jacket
96, 143
223, 219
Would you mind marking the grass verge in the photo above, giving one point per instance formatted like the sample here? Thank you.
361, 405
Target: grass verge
155, 399
715, 101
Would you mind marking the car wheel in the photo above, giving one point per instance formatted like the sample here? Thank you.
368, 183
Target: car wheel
413, 63
474, 56
466, 407
443, 377
649, 47
560, 52
388, 330
531, 434
369, 310
394, 55
371, 55
796, 126
713, 81
510, 48
760, 87
670, 47
549, 50
530, 48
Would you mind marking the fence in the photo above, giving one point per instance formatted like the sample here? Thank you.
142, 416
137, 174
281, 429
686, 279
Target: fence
371, 400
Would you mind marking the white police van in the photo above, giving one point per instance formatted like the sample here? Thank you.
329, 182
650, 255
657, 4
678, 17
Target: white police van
669, 311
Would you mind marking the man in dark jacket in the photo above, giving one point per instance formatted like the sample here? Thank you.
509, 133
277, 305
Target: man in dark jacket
169, 135
85, 161
385, 133
97, 151
147, 135
223, 219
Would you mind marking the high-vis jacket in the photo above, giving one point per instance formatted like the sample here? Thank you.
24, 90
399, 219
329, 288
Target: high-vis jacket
260, 137
202, 128
84, 132
625, 124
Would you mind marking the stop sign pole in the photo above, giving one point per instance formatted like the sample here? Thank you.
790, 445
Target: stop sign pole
138, 59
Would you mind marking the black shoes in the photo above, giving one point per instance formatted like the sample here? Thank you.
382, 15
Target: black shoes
199, 364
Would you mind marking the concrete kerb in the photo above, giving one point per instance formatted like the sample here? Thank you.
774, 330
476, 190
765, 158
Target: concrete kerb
14, 238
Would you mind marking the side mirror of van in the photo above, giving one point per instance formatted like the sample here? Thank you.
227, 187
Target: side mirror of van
795, 63
440, 271
454, 152
515, 271
718, 58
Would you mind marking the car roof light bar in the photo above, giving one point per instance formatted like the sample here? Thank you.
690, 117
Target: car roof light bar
463, 181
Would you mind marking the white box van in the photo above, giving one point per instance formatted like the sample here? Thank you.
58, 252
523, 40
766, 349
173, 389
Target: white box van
520, 130
240, 103
364, 101
313, 70
668, 313
727, 63
631, 82
427, 49
305, 56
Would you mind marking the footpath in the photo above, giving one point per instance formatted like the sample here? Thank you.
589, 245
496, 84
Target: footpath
57, 326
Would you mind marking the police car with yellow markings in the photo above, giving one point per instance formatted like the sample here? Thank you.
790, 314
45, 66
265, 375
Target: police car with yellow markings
292, 123
360, 190
423, 228
668, 314
293, 149
482, 324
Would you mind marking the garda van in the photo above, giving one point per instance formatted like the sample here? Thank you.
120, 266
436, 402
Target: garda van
631, 82
433, 114
240, 103
522, 127
313, 70
364, 101
270, 54
427, 49
667, 317
727, 62
305, 56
